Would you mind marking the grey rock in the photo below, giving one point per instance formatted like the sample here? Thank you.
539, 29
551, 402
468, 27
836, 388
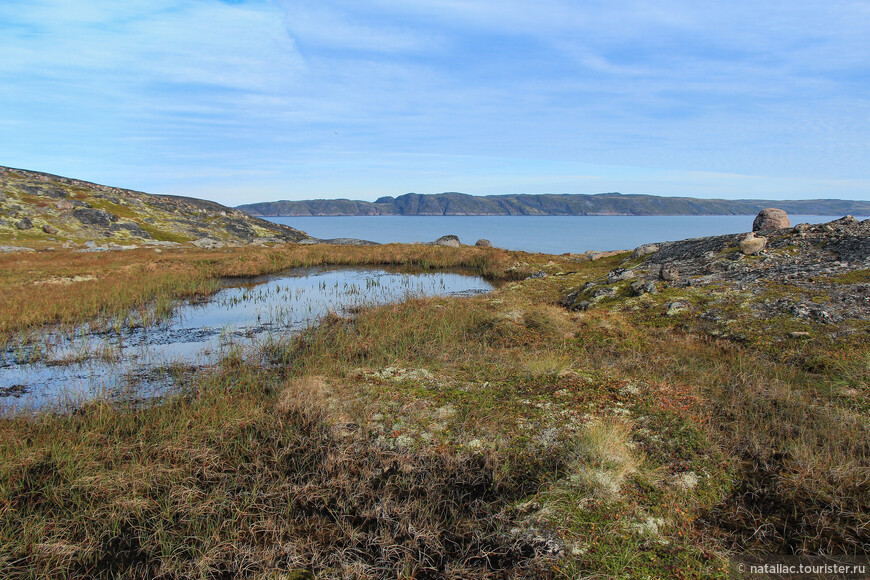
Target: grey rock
24, 224
620, 274
639, 287
676, 307
239, 229
482, 243
95, 217
573, 298
95, 249
752, 244
261, 241
602, 293
90, 244
645, 250
44, 190
669, 273
13, 249
770, 218
134, 229
4, 223
64, 205
208, 243
538, 274
161, 244
49, 229
2, 197
346, 242
449, 240
596, 255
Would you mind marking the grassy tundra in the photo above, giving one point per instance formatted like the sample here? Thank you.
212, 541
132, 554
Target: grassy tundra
494, 436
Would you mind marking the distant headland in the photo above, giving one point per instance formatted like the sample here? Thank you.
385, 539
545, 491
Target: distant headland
454, 204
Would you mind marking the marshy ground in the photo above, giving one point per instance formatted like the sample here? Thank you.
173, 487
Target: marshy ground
500, 435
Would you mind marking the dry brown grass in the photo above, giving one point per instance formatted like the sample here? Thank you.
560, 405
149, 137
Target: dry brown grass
227, 486
278, 467
116, 282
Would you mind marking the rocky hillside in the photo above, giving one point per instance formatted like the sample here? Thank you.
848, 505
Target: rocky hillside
41, 209
774, 284
548, 204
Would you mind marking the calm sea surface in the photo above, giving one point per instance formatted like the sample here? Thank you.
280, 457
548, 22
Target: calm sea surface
546, 234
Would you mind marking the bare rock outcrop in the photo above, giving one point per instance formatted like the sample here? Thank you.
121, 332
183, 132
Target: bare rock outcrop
78, 209
818, 274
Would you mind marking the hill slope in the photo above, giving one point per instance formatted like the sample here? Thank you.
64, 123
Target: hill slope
548, 204
39, 208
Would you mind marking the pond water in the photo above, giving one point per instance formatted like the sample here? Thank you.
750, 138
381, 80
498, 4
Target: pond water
135, 361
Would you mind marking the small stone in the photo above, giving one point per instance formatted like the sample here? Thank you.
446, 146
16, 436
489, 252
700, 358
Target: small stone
602, 293
64, 205
639, 288
675, 308
49, 229
669, 273
770, 218
482, 243
798, 334
24, 224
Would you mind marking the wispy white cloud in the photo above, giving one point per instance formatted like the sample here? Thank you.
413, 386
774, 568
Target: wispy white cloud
301, 95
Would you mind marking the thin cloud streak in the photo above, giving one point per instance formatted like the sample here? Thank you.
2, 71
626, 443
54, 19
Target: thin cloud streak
294, 97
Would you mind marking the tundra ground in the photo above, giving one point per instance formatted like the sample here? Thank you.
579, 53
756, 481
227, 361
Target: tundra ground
499, 436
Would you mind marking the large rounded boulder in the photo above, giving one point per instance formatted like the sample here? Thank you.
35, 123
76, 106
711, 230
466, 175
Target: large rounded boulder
770, 218
450, 241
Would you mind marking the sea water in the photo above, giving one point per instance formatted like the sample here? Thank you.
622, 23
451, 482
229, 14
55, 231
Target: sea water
545, 234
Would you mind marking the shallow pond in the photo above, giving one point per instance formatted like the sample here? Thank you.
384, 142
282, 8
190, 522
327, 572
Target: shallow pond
133, 360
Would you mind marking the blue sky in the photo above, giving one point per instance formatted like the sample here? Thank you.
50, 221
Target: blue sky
241, 101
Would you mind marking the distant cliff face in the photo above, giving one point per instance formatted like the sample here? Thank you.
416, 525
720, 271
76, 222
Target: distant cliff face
43, 208
547, 204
